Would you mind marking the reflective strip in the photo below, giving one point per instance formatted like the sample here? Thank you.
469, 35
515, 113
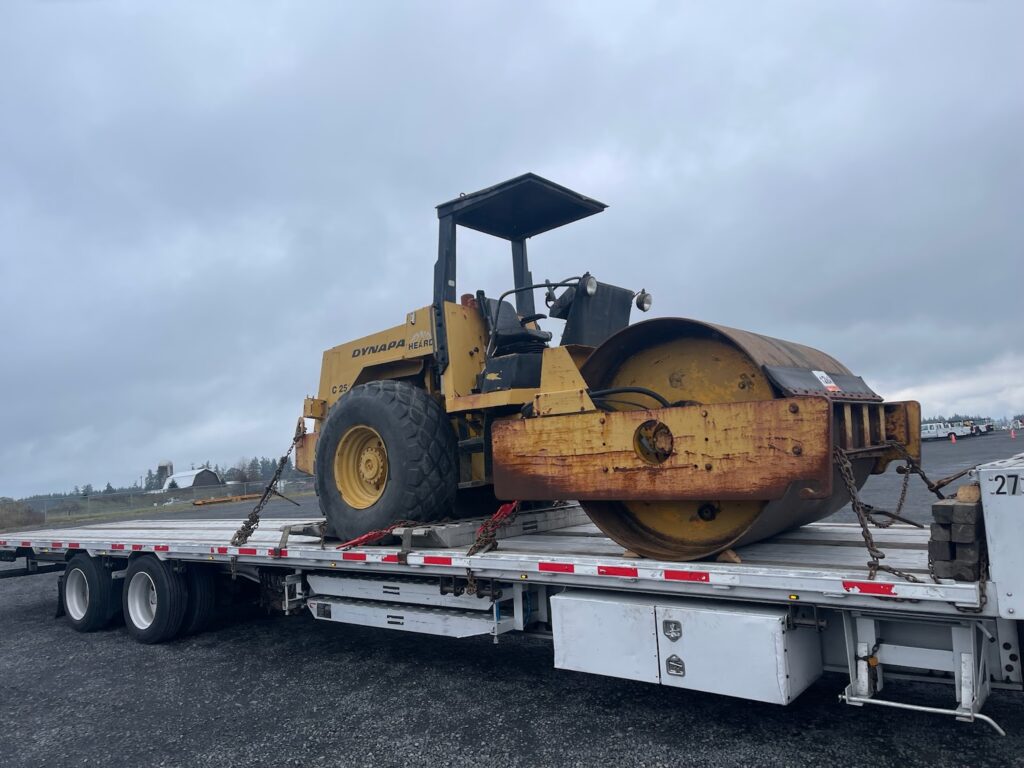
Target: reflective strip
136, 547
56, 545
389, 559
3, 543
870, 587
353, 555
556, 567
26, 543
247, 551
161, 548
117, 546
71, 545
436, 560
687, 575
616, 570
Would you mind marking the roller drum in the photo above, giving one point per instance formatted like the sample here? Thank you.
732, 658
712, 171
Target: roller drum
688, 362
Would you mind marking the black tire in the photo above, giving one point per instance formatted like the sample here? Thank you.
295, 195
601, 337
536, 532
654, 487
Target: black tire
202, 599
153, 583
87, 594
422, 467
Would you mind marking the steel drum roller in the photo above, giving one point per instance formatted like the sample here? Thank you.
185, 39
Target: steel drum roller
689, 362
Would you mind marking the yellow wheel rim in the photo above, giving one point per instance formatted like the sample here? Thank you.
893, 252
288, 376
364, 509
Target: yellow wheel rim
361, 467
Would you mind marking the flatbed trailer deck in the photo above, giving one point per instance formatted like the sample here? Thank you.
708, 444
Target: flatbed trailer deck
807, 594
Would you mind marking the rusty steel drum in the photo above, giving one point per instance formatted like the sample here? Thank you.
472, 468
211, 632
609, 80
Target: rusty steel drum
689, 362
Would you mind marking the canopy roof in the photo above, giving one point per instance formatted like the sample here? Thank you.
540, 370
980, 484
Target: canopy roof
519, 208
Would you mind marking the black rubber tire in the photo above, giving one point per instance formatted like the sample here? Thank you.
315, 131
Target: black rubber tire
171, 600
202, 599
421, 451
98, 601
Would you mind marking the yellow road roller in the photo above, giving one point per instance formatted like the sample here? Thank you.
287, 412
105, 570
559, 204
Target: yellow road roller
680, 438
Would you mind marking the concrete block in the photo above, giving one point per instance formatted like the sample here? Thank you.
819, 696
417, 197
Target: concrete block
968, 553
942, 550
942, 511
955, 511
964, 533
967, 513
966, 571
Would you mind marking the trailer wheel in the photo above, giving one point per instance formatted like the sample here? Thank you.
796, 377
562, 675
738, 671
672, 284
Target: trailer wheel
88, 593
202, 600
386, 453
154, 600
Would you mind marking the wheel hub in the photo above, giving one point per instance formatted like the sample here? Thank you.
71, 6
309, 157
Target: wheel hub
361, 467
371, 465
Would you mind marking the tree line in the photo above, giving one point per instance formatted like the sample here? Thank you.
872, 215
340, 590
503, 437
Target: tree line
246, 470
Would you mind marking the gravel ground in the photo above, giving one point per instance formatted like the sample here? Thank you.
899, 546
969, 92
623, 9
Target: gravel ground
275, 690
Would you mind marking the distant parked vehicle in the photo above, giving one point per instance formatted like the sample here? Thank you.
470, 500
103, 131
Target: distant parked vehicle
941, 430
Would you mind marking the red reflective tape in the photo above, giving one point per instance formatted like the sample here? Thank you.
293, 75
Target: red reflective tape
3, 542
56, 545
870, 587
136, 547
389, 559
117, 546
222, 550
353, 555
26, 543
616, 570
687, 575
556, 567
71, 545
247, 550
161, 548
436, 560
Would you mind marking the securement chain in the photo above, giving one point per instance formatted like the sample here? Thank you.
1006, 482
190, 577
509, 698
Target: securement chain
486, 534
253, 520
373, 536
865, 517
863, 512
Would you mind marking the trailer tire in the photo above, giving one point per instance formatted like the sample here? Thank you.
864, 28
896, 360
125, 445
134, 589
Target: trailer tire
87, 593
406, 432
202, 600
154, 599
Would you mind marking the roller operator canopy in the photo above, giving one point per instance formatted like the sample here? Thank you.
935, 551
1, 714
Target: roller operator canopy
520, 208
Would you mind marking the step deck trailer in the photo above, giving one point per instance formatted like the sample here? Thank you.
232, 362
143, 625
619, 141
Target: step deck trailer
765, 628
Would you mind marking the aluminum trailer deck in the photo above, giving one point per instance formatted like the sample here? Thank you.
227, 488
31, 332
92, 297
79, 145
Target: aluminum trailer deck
795, 606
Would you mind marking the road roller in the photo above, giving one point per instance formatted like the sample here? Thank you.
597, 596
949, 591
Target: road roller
681, 439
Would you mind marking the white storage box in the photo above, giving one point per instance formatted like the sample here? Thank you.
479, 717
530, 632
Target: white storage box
743, 650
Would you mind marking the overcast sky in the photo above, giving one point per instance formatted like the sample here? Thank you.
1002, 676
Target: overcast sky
197, 199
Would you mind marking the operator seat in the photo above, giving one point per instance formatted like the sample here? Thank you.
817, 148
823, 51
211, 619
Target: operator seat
508, 336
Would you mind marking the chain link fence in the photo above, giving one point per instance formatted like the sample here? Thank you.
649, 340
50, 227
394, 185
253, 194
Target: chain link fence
103, 504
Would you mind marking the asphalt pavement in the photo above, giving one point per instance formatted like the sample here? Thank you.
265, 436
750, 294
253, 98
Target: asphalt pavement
275, 690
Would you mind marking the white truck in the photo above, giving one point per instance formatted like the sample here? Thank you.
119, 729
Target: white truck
944, 430
763, 625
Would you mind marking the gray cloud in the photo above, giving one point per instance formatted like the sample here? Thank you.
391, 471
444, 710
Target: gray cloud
195, 201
